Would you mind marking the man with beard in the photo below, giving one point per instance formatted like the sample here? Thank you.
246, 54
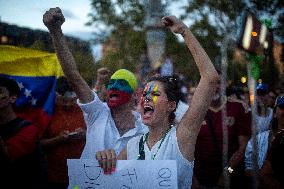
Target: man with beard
110, 124
208, 169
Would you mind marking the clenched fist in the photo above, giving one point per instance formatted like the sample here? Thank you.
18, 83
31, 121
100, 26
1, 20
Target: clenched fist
174, 24
53, 19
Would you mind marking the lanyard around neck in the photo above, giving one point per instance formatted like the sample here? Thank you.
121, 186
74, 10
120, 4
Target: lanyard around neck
141, 155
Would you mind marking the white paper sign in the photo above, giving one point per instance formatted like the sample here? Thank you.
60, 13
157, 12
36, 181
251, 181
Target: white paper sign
129, 174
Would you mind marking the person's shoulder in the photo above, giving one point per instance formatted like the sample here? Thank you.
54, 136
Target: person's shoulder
30, 128
238, 103
25, 130
22, 123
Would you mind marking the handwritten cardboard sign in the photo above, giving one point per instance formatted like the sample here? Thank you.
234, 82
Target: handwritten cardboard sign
134, 174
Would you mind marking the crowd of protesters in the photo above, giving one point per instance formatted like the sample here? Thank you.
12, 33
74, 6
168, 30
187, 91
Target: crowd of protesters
166, 120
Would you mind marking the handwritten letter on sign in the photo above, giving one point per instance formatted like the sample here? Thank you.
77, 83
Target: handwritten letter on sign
129, 174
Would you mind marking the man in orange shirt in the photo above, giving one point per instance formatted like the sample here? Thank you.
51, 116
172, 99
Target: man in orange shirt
65, 137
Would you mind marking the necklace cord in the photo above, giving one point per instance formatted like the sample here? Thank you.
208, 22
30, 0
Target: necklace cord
141, 155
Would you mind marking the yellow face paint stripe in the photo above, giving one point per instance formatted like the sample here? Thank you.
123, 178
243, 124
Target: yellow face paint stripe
155, 98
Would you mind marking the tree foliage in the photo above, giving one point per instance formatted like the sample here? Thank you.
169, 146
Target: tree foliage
124, 20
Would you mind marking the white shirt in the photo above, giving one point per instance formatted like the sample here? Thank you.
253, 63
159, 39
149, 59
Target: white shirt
263, 123
262, 146
101, 129
169, 150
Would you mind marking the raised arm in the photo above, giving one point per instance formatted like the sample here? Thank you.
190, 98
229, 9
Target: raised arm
103, 76
188, 128
53, 19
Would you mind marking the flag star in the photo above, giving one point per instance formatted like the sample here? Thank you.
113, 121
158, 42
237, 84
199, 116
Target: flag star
27, 93
33, 101
20, 84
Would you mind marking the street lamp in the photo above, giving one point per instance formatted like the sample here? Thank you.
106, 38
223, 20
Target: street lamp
254, 35
243, 79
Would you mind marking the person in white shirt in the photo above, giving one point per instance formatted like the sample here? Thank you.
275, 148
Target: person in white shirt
106, 122
159, 102
264, 113
264, 149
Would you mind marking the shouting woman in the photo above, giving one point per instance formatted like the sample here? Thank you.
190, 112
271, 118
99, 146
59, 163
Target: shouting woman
166, 141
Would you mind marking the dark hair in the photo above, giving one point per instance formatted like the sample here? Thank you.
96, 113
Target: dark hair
279, 102
11, 85
62, 86
236, 90
172, 90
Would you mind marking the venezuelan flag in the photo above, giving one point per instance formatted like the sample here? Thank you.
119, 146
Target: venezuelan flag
36, 73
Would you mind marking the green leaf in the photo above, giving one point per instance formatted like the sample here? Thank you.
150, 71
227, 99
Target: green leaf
267, 22
255, 70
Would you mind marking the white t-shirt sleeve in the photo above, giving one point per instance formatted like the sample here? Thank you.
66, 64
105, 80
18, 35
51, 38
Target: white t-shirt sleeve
92, 110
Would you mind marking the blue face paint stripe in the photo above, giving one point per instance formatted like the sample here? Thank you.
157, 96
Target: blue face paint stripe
149, 90
121, 85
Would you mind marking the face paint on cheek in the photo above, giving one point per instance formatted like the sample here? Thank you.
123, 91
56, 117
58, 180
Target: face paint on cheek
155, 98
122, 98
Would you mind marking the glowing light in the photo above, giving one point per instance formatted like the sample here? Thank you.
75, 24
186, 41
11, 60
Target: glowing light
248, 29
263, 34
265, 44
254, 34
243, 79
251, 98
4, 39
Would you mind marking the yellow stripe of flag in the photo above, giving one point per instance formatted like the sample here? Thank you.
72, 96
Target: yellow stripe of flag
18, 61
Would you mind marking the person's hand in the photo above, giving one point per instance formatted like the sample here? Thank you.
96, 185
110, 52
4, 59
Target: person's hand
174, 24
103, 75
53, 19
107, 160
